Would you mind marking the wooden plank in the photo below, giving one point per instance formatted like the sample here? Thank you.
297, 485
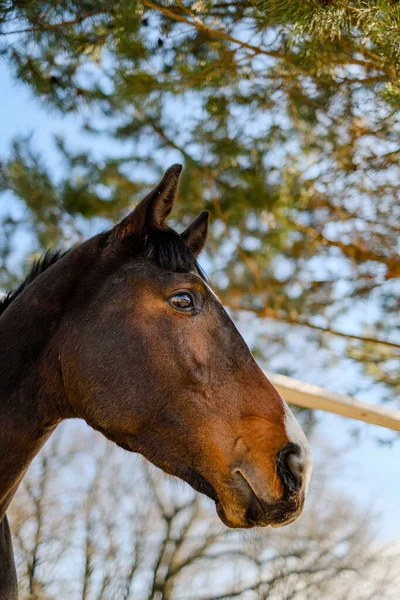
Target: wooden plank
312, 396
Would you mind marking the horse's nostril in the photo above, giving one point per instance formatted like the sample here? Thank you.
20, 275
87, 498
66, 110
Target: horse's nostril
290, 467
289, 450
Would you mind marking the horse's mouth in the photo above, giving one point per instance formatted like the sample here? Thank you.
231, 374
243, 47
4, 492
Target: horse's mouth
256, 513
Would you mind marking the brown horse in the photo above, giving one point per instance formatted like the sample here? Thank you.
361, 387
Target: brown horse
124, 332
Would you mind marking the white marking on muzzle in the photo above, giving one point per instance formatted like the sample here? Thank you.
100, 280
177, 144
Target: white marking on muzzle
297, 436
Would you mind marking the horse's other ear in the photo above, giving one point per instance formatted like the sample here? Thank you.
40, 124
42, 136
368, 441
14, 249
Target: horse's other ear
153, 210
195, 235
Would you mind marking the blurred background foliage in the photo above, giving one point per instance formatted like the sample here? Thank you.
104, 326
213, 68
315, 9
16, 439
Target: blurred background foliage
285, 115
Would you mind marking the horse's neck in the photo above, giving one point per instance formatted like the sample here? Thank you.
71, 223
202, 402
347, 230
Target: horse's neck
17, 451
32, 397
8, 576
23, 431
26, 414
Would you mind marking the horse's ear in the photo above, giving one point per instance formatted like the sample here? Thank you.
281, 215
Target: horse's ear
153, 210
195, 235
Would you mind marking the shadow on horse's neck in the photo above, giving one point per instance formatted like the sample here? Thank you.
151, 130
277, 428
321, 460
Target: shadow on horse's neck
32, 397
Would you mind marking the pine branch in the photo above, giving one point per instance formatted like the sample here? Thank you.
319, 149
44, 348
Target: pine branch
353, 251
269, 313
197, 23
51, 26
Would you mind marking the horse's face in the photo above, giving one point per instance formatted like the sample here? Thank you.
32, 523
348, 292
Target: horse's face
158, 366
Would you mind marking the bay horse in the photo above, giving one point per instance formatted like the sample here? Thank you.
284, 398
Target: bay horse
124, 332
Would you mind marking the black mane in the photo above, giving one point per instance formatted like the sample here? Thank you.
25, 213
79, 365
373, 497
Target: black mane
165, 247
38, 266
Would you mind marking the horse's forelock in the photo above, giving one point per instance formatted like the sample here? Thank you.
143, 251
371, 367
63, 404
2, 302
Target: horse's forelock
167, 249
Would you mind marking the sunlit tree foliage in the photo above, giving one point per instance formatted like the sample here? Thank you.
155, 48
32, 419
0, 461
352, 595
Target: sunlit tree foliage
285, 116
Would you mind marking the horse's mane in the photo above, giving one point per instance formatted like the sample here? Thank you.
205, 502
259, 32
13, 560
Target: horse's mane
38, 266
164, 247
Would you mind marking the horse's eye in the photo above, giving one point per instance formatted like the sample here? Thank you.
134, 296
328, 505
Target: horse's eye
182, 301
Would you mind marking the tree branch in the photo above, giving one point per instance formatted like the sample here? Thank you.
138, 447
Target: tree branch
200, 25
196, 22
49, 27
269, 313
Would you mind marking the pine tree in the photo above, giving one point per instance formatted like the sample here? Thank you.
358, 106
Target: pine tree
285, 115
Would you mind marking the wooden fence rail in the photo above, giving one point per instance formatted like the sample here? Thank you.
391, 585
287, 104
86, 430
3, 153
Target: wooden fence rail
312, 396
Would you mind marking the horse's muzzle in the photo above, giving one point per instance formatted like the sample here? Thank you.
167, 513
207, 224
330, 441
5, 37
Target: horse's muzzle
245, 500
254, 505
257, 512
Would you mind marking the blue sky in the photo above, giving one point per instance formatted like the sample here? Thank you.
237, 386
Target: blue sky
369, 472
